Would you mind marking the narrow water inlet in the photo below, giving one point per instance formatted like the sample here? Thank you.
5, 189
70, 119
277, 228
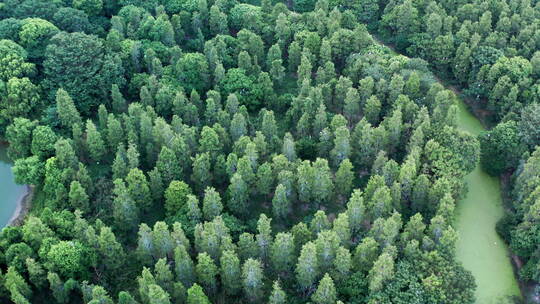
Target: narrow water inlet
479, 247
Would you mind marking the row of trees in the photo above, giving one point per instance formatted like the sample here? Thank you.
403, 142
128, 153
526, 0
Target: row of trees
220, 151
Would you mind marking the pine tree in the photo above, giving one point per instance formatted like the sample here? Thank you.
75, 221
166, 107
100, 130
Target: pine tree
176, 197
201, 175
238, 193
103, 116
157, 295
217, 21
277, 296
67, 112
78, 198
95, 144
115, 132
193, 210
319, 222
304, 70
65, 154
306, 177
282, 254
252, 279
119, 165
326, 291
280, 202
238, 126
145, 281
196, 295
323, 186
351, 110
342, 146
264, 236
111, 253
244, 168
230, 272
327, 243
342, 228
365, 254
156, 184
247, 247
125, 298
36, 273
382, 271
56, 284
164, 275
307, 268
100, 296
206, 271
162, 241
265, 178
344, 178
288, 148
209, 142
342, 264
212, 205
183, 266
168, 166
132, 156
356, 211
119, 104
125, 211
138, 189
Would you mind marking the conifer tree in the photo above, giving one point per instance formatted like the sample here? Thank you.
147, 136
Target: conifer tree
201, 175
230, 272
212, 205
67, 112
277, 296
206, 271
184, 269
252, 279
238, 193
264, 236
196, 295
282, 254
78, 198
280, 202
176, 197
326, 291
307, 268
138, 188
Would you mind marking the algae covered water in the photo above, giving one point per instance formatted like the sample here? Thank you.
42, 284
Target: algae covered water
10, 193
479, 247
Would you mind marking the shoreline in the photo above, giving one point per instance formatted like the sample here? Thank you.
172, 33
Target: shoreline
23, 206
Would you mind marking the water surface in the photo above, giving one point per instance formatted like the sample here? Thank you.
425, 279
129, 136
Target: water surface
10, 193
479, 247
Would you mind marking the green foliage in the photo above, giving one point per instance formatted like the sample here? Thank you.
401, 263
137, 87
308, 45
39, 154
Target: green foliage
200, 117
242, 86
501, 148
192, 72
79, 64
70, 259
176, 197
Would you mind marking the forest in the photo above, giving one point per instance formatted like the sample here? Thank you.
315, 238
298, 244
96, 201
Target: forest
227, 151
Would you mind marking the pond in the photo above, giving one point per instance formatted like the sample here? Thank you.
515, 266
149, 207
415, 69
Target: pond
480, 248
11, 194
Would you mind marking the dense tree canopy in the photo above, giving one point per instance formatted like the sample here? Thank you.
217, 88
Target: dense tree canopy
244, 152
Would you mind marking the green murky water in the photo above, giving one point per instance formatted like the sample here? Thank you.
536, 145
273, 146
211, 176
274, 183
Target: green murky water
10, 193
480, 248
